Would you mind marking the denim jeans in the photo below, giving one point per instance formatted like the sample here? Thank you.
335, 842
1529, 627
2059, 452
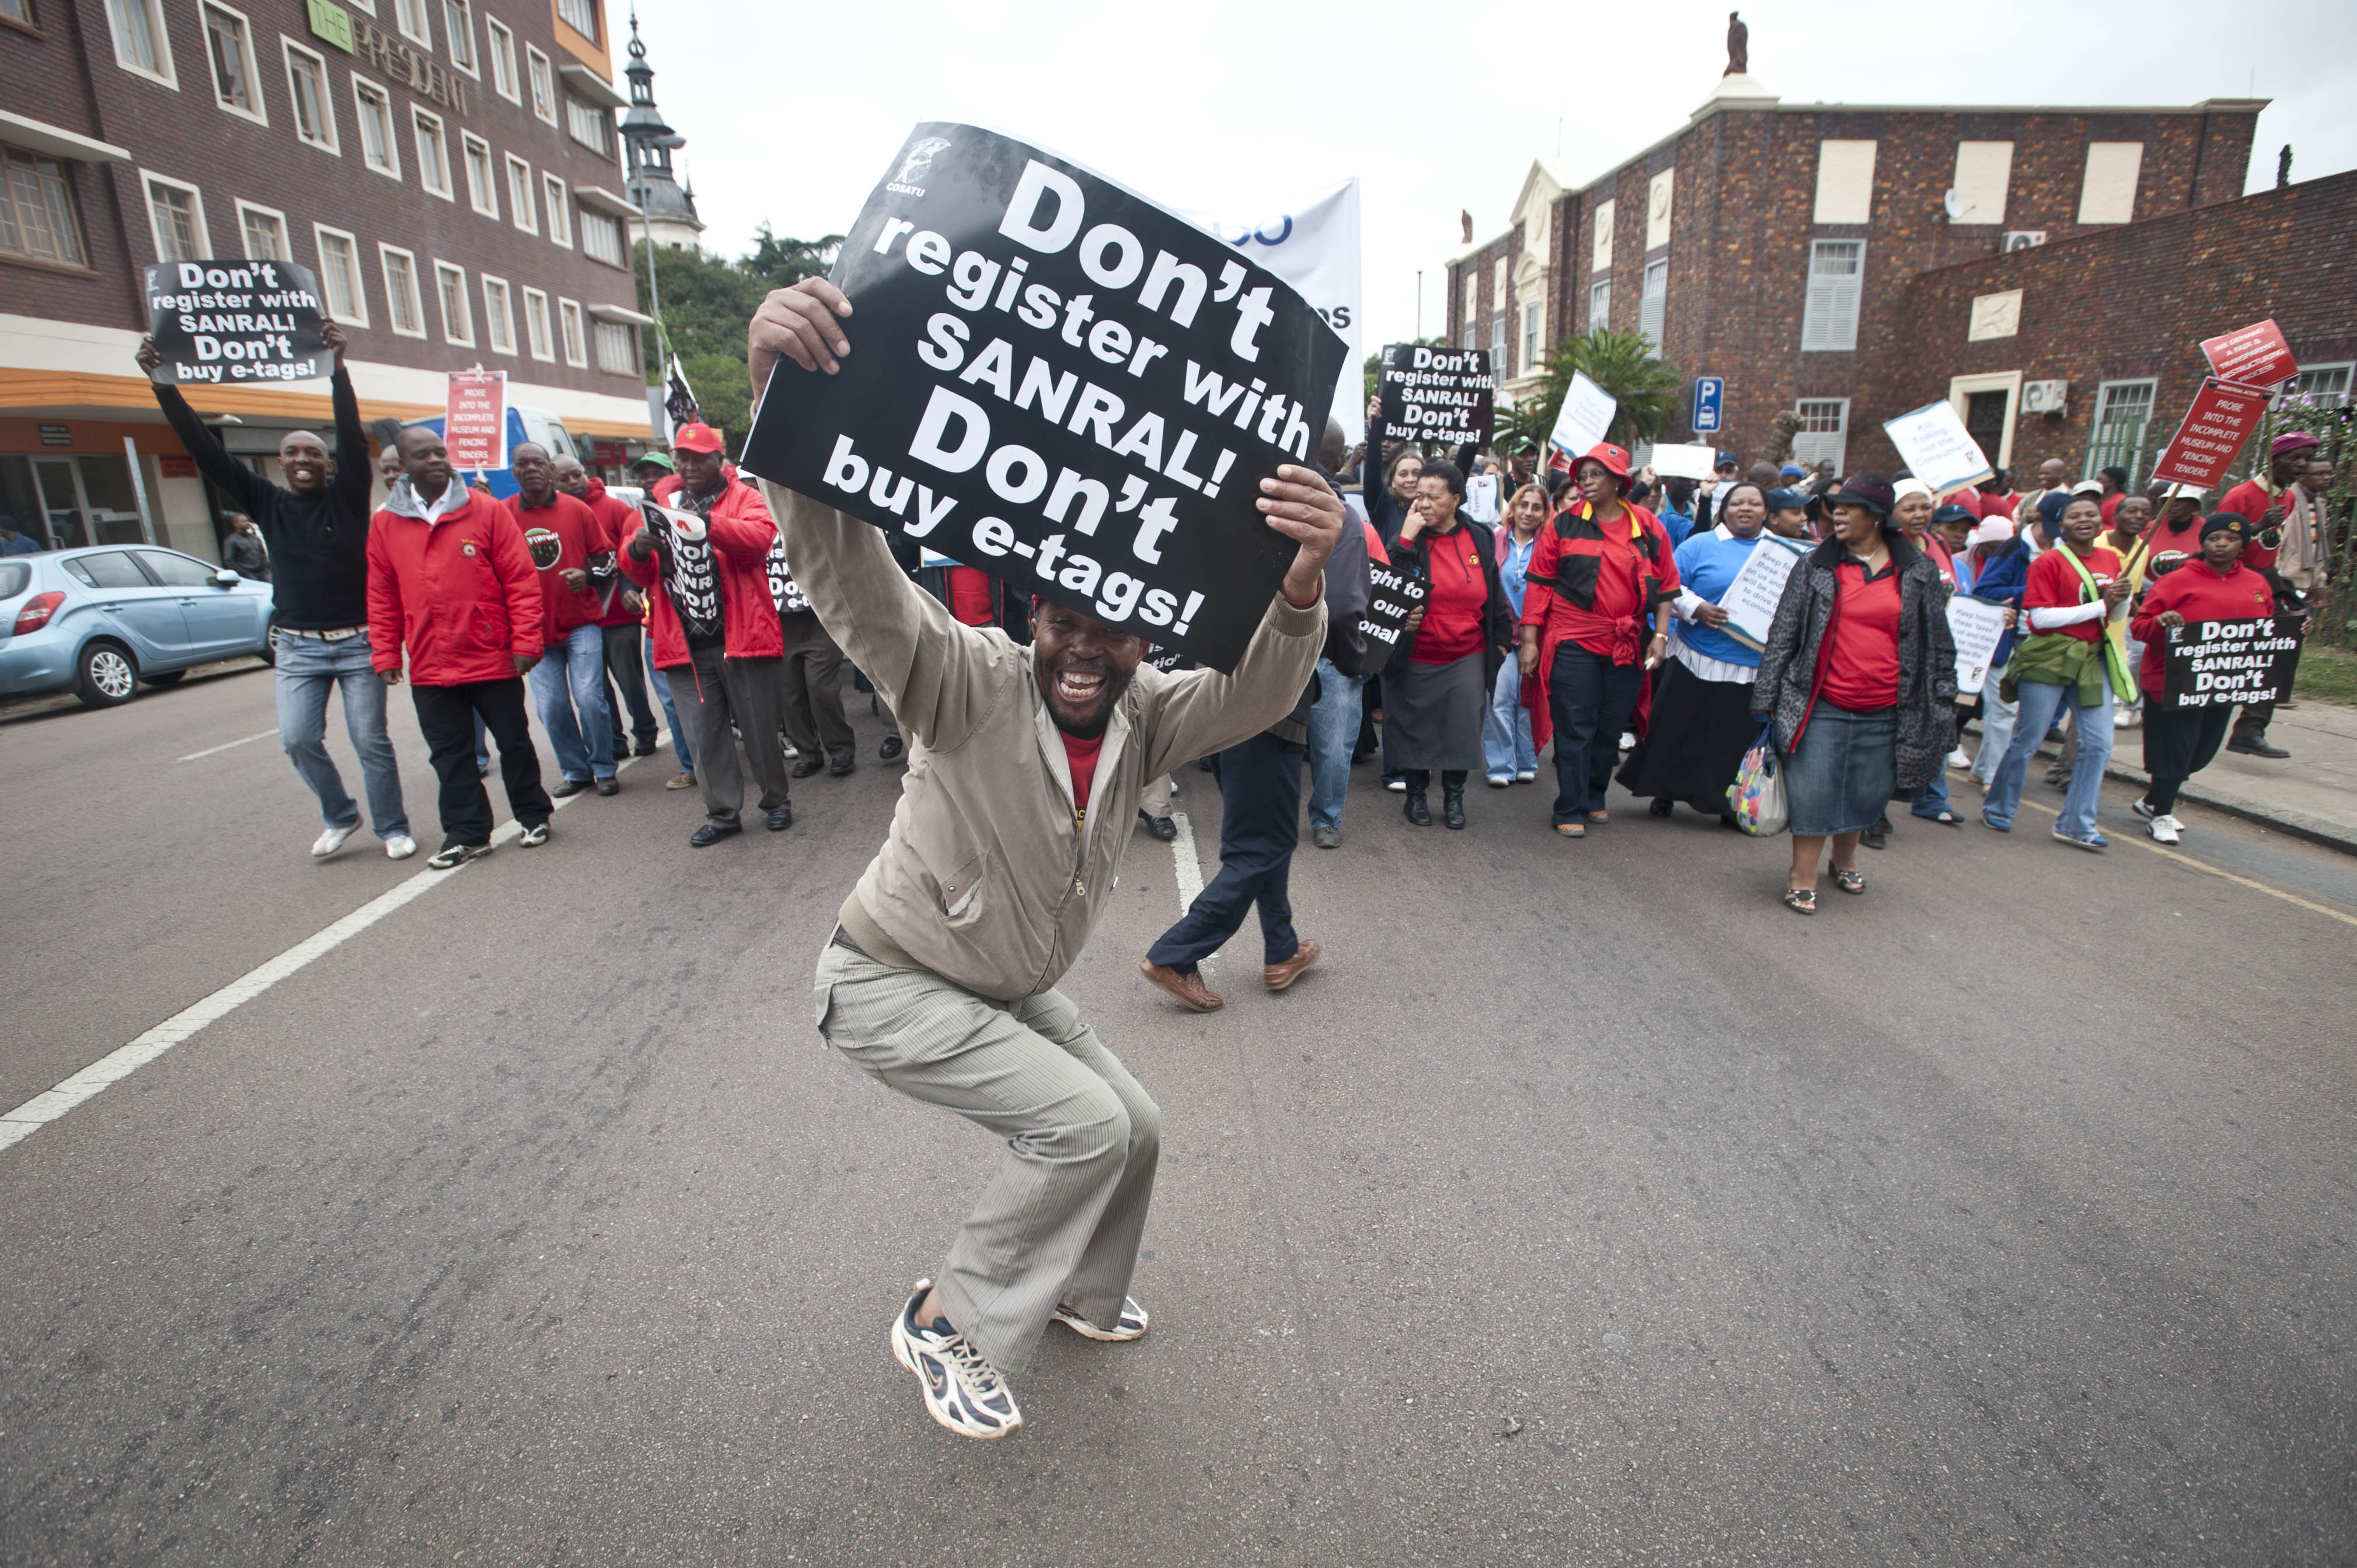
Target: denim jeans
306, 669
2092, 725
570, 680
1334, 730
1933, 798
1506, 729
680, 748
1997, 731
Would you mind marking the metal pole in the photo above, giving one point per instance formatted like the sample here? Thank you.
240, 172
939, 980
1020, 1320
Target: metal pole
1419, 305
139, 489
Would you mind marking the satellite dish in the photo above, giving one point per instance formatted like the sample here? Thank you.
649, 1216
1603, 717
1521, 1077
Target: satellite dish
1954, 203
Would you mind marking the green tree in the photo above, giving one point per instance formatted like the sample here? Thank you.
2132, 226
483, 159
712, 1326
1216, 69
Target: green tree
1649, 392
707, 301
779, 264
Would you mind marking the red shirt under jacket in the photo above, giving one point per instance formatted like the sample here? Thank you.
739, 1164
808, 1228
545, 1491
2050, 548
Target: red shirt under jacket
2053, 584
1862, 667
2196, 592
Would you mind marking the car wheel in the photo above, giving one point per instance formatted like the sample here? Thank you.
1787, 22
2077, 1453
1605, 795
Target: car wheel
166, 678
105, 676
268, 652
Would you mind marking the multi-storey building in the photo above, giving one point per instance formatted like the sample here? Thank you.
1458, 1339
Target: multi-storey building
448, 167
1773, 244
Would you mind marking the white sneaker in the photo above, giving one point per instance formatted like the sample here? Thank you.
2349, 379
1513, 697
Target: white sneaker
329, 841
1628, 740
400, 846
963, 1392
2165, 830
791, 752
1525, 776
1132, 1324
1957, 758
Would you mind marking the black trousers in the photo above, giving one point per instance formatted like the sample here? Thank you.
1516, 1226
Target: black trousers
813, 688
446, 715
2178, 744
1260, 824
626, 672
2251, 723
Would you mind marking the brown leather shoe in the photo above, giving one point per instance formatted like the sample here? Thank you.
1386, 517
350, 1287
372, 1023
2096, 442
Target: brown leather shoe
1189, 989
1280, 975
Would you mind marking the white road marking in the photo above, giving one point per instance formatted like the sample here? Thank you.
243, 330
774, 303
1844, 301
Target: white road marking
1190, 874
117, 1064
243, 740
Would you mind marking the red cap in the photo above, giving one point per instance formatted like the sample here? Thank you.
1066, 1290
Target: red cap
701, 437
1615, 460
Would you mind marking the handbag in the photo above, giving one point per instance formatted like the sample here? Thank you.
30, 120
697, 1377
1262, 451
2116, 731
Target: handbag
1757, 797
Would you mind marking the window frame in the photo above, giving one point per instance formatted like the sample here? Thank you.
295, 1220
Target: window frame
502, 59
358, 283
1841, 451
545, 320
334, 141
2348, 369
579, 111
443, 294
1532, 328
619, 260
523, 206
419, 115
245, 242
148, 181
504, 315
424, 35
73, 210
1656, 302
560, 211
1809, 286
384, 253
361, 87
591, 11
471, 63
469, 143
1599, 293
572, 332
602, 332
541, 73
2100, 452
260, 113
167, 71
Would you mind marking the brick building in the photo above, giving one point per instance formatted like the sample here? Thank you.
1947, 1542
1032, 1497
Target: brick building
448, 167
1773, 244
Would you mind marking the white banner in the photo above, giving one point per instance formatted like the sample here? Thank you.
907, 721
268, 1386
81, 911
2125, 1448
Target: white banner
1587, 411
1314, 248
1937, 448
1978, 627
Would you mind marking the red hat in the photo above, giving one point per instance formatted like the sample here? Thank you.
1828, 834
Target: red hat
696, 437
2291, 441
1615, 460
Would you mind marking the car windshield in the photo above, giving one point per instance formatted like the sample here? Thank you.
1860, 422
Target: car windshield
15, 578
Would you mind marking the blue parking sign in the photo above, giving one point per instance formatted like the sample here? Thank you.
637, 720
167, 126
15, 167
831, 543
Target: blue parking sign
1709, 395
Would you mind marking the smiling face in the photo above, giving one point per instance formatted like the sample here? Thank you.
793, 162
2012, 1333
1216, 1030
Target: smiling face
1528, 513
2082, 520
304, 456
2130, 517
2053, 474
1405, 472
424, 460
1912, 513
1083, 667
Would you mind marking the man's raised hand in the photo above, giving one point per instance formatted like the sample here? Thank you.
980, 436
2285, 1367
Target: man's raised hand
801, 324
1298, 504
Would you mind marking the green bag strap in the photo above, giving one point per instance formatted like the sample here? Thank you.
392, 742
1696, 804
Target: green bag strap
2116, 661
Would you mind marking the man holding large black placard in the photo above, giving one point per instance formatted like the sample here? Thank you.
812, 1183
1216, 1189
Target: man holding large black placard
940, 979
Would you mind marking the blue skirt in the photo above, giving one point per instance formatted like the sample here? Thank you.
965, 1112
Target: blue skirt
1840, 778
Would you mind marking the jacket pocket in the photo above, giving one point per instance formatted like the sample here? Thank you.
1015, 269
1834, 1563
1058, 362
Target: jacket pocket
963, 892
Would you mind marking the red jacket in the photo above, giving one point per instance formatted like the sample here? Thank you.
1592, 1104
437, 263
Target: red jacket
621, 521
460, 593
2196, 592
741, 533
562, 536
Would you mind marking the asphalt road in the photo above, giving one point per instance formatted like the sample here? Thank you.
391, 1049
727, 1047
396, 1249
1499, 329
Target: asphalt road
1583, 1206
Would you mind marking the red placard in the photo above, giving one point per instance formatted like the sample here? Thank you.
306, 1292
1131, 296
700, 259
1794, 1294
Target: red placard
2221, 418
475, 421
2253, 357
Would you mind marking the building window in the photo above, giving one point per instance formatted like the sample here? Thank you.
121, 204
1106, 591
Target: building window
458, 24
581, 16
141, 43
601, 237
178, 213
503, 60
1599, 305
458, 311
1653, 304
340, 275
535, 324
2107, 193
432, 153
1470, 333
1498, 345
522, 208
543, 83
577, 346
1830, 319
560, 227
482, 185
617, 347
1983, 170
19, 13
1530, 336
409, 16
589, 125
403, 309
499, 316
1823, 433
264, 230
229, 44
380, 148
2325, 385
2123, 414
307, 89
38, 221
1844, 182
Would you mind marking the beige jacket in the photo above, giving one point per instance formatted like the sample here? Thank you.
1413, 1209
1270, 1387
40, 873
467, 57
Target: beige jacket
989, 877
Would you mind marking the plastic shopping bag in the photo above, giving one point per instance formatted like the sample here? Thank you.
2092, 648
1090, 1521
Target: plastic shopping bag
1756, 796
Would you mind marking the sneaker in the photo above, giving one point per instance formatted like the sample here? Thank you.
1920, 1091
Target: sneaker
1499, 780
2166, 830
680, 781
1628, 740
791, 752
1525, 776
1397, 785
451, 856
2143, 808
963, 1392
533, 836
1957, 759
400, 846
330, 840
2091, 841
1131, 1326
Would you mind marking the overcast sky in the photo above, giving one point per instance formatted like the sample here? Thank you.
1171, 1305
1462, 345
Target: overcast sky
791, 113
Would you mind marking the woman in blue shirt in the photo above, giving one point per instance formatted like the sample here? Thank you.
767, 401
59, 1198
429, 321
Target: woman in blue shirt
1506, 748
1702, 722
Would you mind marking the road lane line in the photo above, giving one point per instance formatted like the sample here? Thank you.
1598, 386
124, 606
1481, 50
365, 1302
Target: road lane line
1191, 872
2141, 843
243, 740
117, 1064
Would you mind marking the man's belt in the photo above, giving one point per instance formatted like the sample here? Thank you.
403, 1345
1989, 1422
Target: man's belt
337, 634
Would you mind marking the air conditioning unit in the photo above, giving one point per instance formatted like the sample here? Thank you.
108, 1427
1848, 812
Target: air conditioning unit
2044, 397
2022, 239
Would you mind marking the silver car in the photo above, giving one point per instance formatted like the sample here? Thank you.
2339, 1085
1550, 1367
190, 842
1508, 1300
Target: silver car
104, 619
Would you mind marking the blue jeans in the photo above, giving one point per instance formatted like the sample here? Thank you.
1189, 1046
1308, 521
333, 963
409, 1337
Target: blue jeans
680, 748
2040, 704
1506, 730
570, 680
306, 669
1334, 730
1934, 800
1997, 730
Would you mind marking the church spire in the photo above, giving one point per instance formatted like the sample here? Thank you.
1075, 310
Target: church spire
648, 143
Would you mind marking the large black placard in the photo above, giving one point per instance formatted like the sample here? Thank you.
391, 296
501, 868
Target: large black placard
2212, 663
1057, 382
1392, 597
1436, 394
236, 323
